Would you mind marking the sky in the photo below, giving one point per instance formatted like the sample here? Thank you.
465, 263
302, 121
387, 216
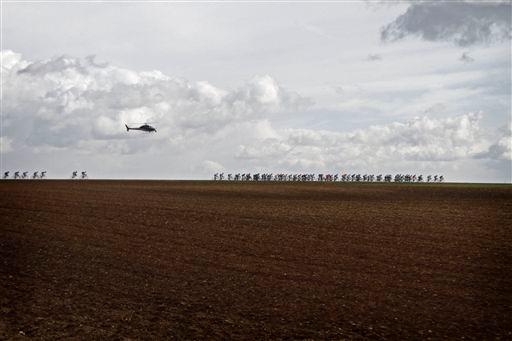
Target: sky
283, 87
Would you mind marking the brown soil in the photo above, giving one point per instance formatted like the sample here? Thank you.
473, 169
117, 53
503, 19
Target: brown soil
194, 260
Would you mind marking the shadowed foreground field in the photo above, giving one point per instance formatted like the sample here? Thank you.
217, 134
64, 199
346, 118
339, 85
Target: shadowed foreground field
155, 259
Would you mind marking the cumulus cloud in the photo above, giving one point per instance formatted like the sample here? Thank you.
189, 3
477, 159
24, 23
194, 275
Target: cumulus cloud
463, 23
420, 139
501, 149
68, 102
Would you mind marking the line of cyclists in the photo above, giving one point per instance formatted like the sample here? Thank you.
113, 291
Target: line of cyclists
39, 175
25, 176
327, 177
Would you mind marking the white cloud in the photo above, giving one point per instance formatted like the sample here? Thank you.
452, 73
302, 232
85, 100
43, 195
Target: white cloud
422, 139
66, 102
501, 149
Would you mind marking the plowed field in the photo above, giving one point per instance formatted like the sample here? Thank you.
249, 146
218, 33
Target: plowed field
195, 260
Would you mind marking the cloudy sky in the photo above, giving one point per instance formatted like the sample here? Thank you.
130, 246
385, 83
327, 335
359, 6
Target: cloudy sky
366, 87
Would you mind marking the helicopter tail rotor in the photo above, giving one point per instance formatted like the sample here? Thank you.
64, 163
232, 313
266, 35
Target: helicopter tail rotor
127, 128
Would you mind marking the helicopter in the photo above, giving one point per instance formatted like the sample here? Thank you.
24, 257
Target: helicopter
145, 127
